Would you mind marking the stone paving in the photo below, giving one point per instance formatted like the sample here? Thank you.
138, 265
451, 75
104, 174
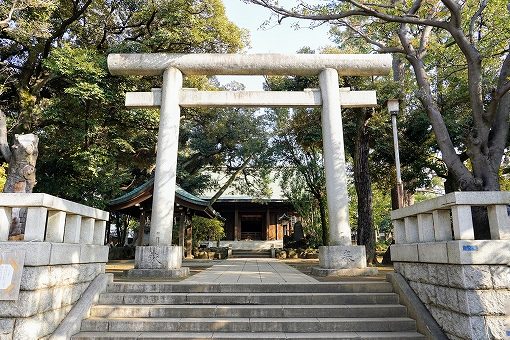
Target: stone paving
250, 270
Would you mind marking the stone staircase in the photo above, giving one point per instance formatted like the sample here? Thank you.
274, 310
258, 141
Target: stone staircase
345, 310
243, 253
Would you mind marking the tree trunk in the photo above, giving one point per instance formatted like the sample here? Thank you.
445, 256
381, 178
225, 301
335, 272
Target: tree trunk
229, 182
125, 230
21, 171
5, 150
363, 184
21, 176
141, 228
324, 225
450, 184
188, 227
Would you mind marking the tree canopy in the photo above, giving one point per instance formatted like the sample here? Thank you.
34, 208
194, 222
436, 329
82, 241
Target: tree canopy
54, 82
457, 47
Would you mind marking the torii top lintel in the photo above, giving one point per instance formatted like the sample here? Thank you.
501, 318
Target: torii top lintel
250, 64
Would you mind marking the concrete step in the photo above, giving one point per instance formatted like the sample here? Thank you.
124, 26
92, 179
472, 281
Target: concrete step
254, 325
248, 311
265, 335
241, 253
247, 298
319, 287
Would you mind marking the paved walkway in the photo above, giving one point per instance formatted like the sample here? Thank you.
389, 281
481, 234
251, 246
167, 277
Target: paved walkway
250, 271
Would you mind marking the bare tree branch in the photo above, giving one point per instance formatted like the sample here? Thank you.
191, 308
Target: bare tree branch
475, 16
362, 11
5, 22
77, 12
381, 47
230, 181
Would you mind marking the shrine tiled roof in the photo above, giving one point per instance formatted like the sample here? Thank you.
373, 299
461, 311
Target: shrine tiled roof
143, 194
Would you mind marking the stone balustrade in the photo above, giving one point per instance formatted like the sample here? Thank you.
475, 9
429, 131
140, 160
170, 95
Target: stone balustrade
61, 231
54, 219
57, 231
463, 282
432, 220
440, 230
64, 253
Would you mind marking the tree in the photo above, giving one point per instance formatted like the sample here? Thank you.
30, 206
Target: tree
206, 229
297, 146
363, 183
54, 83
477, 36
231, 142
54, 80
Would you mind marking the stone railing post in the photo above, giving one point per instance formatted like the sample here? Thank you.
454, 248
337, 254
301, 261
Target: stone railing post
35, 224
73, 229
87, 230
499, 222
425, 227
5, 222
55, 226
411, 229
442, 225
99, 232
462, 222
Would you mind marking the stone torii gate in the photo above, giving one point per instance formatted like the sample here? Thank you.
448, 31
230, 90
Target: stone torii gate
160, 257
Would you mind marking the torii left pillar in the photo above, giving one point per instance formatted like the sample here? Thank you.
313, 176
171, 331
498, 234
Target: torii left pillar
160, 258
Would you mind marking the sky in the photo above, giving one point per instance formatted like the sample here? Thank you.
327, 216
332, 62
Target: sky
283, 38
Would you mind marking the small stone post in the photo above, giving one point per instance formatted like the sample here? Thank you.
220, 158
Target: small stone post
340, 257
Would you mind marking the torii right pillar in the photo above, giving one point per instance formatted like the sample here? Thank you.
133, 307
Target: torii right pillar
340, 257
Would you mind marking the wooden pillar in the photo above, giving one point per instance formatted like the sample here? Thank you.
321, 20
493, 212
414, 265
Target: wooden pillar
182, 224
276, 226
268, 223
237, 231
141, 229
188, 239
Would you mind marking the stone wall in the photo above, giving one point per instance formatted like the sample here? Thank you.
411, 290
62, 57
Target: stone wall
63, 252
47, 294
54, 277
467, 301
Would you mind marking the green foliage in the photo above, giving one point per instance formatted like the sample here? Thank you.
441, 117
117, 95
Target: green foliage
297, 147
3, 175
221, 141
458, 53
298, 193
54, 82
381, 207
206, 229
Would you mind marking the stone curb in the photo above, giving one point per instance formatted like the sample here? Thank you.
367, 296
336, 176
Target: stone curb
425, 323
72, 322
157, 273
367, 271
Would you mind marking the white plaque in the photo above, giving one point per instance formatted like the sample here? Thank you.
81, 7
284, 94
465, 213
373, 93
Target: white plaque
11, 269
